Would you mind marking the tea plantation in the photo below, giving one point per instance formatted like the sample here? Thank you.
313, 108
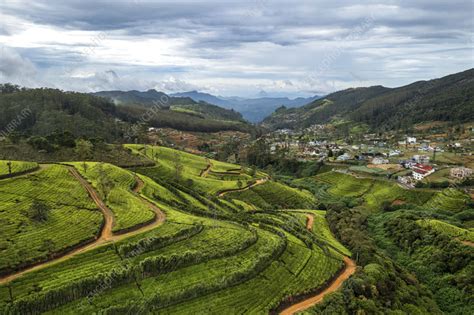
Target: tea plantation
188, 235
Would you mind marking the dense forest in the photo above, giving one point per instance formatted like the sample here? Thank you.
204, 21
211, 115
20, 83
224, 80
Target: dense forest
41, 112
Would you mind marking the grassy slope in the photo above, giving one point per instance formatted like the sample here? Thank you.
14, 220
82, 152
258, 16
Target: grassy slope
16, 167
294, 271
128, 209
373, 192
448, 200
192, 166
73, 217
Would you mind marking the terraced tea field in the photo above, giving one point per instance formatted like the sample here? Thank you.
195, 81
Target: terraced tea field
272, 195
71, 217
449, 199
115, 185
205, 254
373, 192
187, 169
16, 167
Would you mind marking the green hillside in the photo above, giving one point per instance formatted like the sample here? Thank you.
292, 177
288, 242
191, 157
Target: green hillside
449, 99
424, 232
41, 112
181, 107
204, 252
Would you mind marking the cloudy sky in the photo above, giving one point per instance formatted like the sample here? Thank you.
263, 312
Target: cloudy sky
243, 47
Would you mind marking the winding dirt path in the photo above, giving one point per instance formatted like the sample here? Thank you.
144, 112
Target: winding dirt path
205, 171
349, 270
106, 235
109, 219
257, 182
468, 243
309, 221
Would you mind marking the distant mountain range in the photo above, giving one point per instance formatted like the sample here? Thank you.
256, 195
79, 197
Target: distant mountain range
449, 99
254, 110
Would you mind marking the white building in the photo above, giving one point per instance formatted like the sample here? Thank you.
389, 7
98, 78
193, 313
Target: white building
344, 157
379, 160
394, 153
423, 159
411, 140
420, 171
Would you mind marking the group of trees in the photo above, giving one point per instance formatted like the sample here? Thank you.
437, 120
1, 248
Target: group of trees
39, 211
258, 154
380, 285
450, 262
41, 112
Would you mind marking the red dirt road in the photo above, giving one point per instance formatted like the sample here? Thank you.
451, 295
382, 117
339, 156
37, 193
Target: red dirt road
106, 234
349, 269
468, 243
205, 171
309, 222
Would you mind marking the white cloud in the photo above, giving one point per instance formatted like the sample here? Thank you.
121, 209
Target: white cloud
219, 47
14, 67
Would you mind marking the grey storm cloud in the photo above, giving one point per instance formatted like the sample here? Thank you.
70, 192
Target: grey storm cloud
13, 65
210, 43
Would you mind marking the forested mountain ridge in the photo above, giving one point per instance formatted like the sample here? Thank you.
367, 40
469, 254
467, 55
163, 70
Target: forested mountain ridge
153, 98
44, 111
149, 97
450, 98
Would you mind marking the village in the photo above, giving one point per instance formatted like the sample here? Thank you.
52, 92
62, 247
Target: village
413, 161
419, 159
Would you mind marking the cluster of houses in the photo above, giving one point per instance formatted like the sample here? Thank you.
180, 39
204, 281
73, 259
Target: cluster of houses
374, 149
304, 150
461, 172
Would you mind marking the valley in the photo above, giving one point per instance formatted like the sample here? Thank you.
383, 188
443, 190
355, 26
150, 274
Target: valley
112, 205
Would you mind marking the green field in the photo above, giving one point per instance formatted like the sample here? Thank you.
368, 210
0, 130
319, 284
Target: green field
72, 217
368, 170
273, 195
373, 192
115, 185
211, 255
16, 167
189, 168
321, 228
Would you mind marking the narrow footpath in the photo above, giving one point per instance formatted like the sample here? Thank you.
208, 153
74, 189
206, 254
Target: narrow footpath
349, 270
257, 182
205, 171
106, 235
